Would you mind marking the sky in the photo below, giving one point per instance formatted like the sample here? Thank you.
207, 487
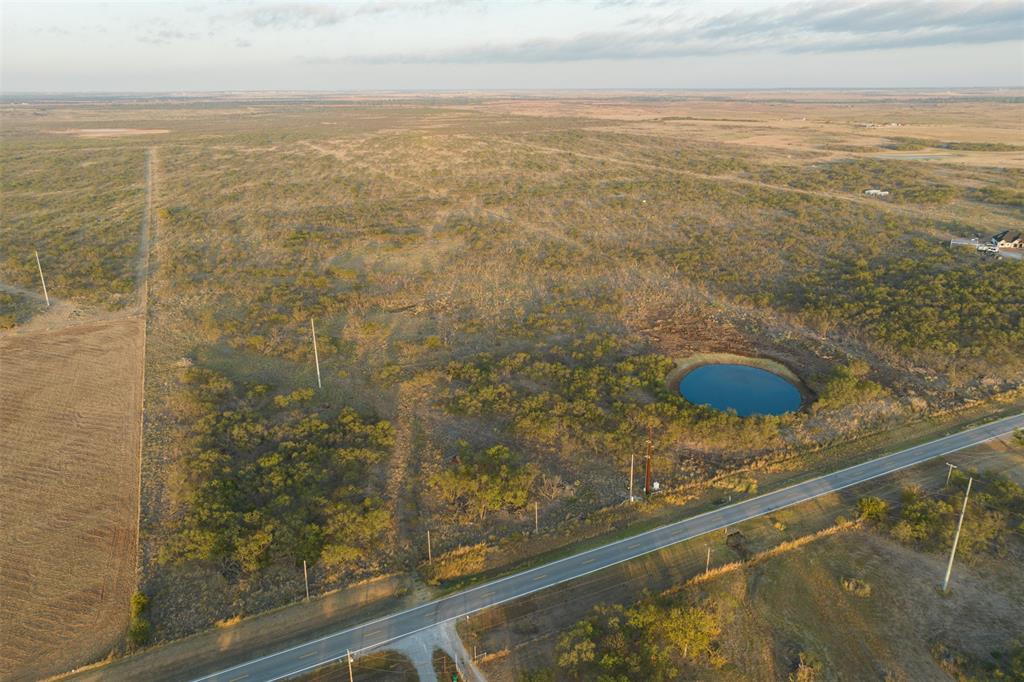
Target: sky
526, 44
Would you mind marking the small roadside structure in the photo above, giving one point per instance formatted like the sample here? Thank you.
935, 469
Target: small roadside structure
877, 192
1008, 240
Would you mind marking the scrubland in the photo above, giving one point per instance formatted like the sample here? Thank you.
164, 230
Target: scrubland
500, 287
844, 587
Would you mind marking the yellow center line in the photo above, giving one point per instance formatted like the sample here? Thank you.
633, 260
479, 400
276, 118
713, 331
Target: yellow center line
539, 577
589, 561
240, 677
371, 633
311, 653
634, 545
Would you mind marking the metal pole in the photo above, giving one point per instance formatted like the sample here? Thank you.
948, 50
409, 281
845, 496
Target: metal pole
707, 564
536, 518
305, 576
348, 655
41, 279
950, 472
430, 555
632, 456
316, 354
956, 538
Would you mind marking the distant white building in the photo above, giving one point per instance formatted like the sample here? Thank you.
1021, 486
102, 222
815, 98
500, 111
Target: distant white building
877, 192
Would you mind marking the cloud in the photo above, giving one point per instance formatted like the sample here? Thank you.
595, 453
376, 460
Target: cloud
794, 28
166, 36
294, 15
298, 15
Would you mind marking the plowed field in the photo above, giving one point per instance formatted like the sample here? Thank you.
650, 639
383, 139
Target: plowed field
71, 406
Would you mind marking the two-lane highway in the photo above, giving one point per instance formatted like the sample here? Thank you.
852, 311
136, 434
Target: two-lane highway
383, 630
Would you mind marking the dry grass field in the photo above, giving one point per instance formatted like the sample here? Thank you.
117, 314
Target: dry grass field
71, 401
501, 283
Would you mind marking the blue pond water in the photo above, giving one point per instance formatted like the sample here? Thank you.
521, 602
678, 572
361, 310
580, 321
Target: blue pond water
748, 390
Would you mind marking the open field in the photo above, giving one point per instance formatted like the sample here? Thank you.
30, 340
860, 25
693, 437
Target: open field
501, 285
72, 406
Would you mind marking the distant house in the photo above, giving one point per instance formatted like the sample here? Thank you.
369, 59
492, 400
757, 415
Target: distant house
1008, 240
876, 192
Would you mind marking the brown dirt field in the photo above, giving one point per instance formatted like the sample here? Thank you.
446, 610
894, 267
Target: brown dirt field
69, 481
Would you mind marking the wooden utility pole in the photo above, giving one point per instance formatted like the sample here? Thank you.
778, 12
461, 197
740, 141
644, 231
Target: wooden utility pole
430, 554
956, 538
949, 473
43, 280
707, 564
316, 354
647, 476
536, 518
348, 656
305, 577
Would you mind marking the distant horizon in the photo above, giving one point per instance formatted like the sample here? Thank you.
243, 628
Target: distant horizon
342, 91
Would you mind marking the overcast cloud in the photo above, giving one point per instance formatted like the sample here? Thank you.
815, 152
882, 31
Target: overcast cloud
796, 28
461, 44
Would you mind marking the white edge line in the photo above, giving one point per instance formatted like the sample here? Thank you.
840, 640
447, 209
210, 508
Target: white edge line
631, 538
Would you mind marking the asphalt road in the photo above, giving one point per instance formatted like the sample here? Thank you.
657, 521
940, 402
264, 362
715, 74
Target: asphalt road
378, 632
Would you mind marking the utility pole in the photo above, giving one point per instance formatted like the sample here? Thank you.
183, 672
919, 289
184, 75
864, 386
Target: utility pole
430, 554
647, 476
305, 577
632, 456
956, 538
707, 564
949, 473
41, 279
316, 354
536, 518
348, 656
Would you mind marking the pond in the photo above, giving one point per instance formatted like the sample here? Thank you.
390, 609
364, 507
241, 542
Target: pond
748, 390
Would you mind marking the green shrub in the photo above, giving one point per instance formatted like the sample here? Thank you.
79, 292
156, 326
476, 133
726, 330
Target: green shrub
138, 624
848, 386
873, 509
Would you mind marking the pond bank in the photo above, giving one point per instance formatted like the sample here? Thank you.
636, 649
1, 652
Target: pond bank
686, 365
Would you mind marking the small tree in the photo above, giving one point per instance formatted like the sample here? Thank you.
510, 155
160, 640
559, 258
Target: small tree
873, 509
692, 632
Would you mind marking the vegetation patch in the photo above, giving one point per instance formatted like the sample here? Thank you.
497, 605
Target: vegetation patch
267, 478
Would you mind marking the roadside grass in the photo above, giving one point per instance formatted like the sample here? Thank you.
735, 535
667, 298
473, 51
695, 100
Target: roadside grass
377, 667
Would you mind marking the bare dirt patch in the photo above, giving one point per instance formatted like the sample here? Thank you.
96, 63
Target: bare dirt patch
72, 406
110, 132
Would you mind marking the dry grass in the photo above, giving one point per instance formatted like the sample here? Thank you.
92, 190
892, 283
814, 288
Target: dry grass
72, 406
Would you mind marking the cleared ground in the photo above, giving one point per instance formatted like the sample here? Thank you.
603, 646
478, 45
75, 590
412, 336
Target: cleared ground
69, 482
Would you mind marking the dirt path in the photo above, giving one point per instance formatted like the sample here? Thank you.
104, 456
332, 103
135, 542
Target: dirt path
398, 483
420, 647
142, 268
19, 291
